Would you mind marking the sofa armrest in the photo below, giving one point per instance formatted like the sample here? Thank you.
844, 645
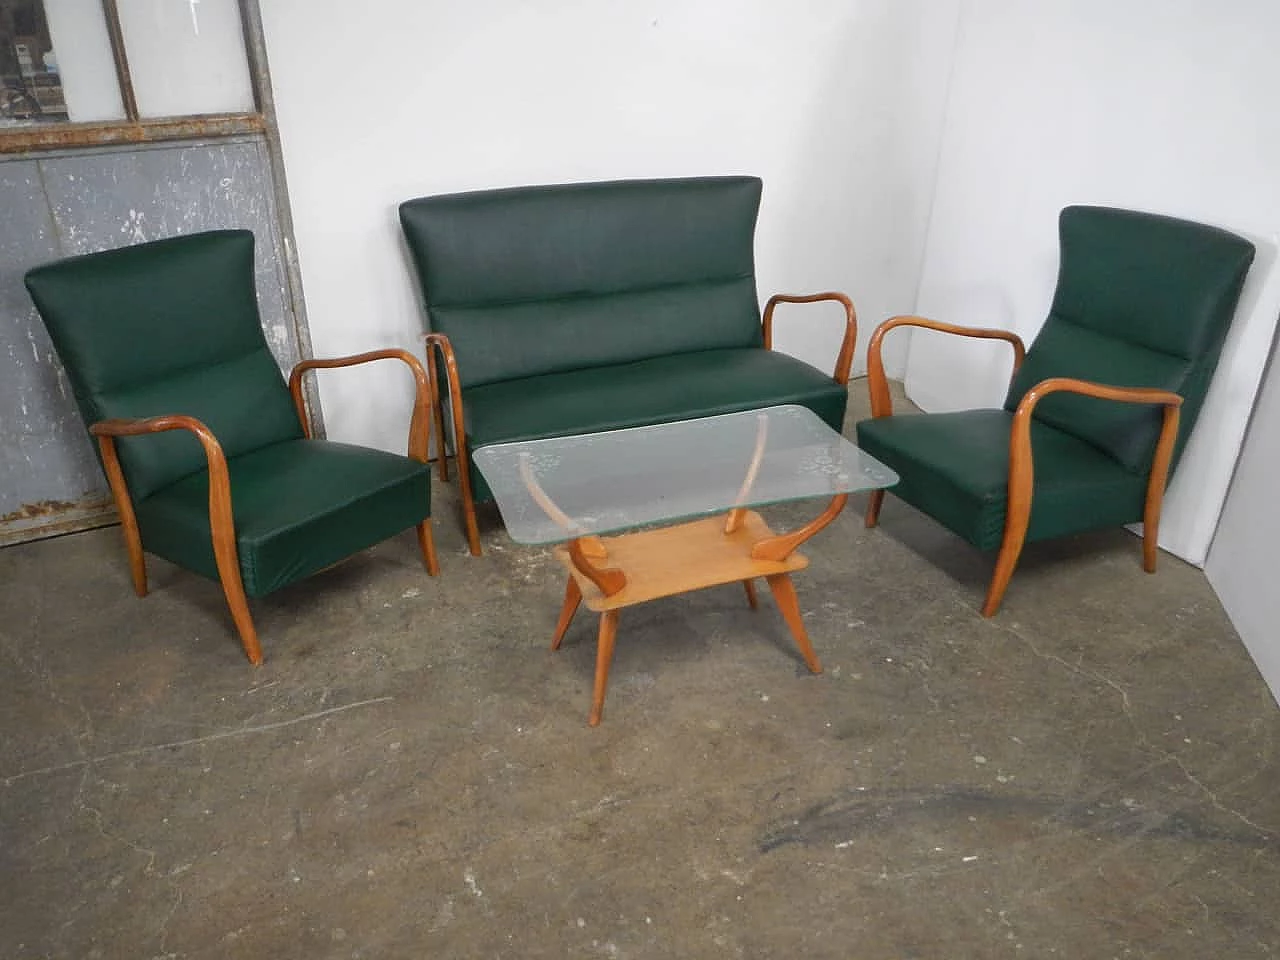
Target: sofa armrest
844, 359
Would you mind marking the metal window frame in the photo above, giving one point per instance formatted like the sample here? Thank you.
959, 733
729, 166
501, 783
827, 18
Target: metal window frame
133, 129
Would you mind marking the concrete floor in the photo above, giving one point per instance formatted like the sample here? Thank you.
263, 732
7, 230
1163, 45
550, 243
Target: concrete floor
1093, 773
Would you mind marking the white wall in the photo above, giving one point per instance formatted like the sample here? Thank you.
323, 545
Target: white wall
1162, 105
1242, 561
837, 104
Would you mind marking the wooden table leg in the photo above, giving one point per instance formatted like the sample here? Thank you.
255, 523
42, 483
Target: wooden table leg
751, 593
572, 597
604, 657
784, 594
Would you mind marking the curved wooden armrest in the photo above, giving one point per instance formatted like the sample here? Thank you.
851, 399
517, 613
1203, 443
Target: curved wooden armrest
220, 515
878, 383
1021, 464
844, 359
443, 352
419, 425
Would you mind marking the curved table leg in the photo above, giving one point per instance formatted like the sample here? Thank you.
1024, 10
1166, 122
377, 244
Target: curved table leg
784, 594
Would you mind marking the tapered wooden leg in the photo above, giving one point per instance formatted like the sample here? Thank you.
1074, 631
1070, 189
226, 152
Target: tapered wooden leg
751, 593
233, 590
428, 545
1150, 549
604, 657
1015, 534
784, 595
873, 508
137, 560
572, 597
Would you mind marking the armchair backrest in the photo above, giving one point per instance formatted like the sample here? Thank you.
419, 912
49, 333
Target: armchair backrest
542, 279
1142, 301
167, 327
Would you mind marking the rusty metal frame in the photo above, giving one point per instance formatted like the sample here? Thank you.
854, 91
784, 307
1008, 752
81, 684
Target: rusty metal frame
133, 129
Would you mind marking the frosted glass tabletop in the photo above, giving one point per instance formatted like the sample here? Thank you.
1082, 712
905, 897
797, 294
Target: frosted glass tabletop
564, 487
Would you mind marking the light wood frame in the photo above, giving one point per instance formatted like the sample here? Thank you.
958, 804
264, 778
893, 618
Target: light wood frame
1021, 462
441, 354
221, 517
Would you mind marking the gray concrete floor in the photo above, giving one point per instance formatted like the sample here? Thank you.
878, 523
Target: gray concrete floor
1092, 773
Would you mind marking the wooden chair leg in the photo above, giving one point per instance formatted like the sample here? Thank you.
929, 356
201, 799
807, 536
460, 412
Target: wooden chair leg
1150, 548
572, 597
427, 543
1015, 534
751, 594
233, 590
137, 559
873, 508
604, 657
784, 595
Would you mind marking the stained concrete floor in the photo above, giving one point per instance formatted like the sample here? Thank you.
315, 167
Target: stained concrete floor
1093, 773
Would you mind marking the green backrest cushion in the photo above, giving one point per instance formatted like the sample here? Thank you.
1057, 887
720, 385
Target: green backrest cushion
533, 280
1142, 301
168, 327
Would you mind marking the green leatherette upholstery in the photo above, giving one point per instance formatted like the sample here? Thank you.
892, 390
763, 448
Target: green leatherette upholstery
534, 280
172, 327
146, 330
300, 506
591, 306
1142, 301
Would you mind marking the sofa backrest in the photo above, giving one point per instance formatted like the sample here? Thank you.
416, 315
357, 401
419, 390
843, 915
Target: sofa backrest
1143, 301
167, 327
542, 279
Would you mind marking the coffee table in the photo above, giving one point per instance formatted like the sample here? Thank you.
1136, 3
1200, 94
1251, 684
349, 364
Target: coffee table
697, 479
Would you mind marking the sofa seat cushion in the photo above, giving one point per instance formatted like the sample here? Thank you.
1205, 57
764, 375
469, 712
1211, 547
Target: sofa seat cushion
299, 506
955, 467
658, 390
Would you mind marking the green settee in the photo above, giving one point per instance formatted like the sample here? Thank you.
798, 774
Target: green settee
576, 308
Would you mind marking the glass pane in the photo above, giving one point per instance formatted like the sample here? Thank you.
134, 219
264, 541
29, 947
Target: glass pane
186, 57
605, 482
55, 63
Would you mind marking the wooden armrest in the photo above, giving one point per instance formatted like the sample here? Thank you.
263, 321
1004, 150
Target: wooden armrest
844, 359
443, 351
419, 425
878, 383
221, 519
1021, 464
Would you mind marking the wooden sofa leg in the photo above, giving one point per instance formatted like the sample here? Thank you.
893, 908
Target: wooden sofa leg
428, 545
873, 507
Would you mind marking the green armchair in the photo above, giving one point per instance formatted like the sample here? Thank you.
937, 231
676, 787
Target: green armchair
208, 453
1099, 409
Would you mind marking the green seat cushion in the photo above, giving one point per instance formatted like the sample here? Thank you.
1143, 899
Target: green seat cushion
658, 390
299, 506
955, 468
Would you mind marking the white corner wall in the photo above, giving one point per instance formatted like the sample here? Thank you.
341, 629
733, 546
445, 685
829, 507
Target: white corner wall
837, 104
1241, 563
1161, 105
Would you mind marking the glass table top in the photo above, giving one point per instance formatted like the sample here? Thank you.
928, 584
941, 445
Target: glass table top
564, 487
